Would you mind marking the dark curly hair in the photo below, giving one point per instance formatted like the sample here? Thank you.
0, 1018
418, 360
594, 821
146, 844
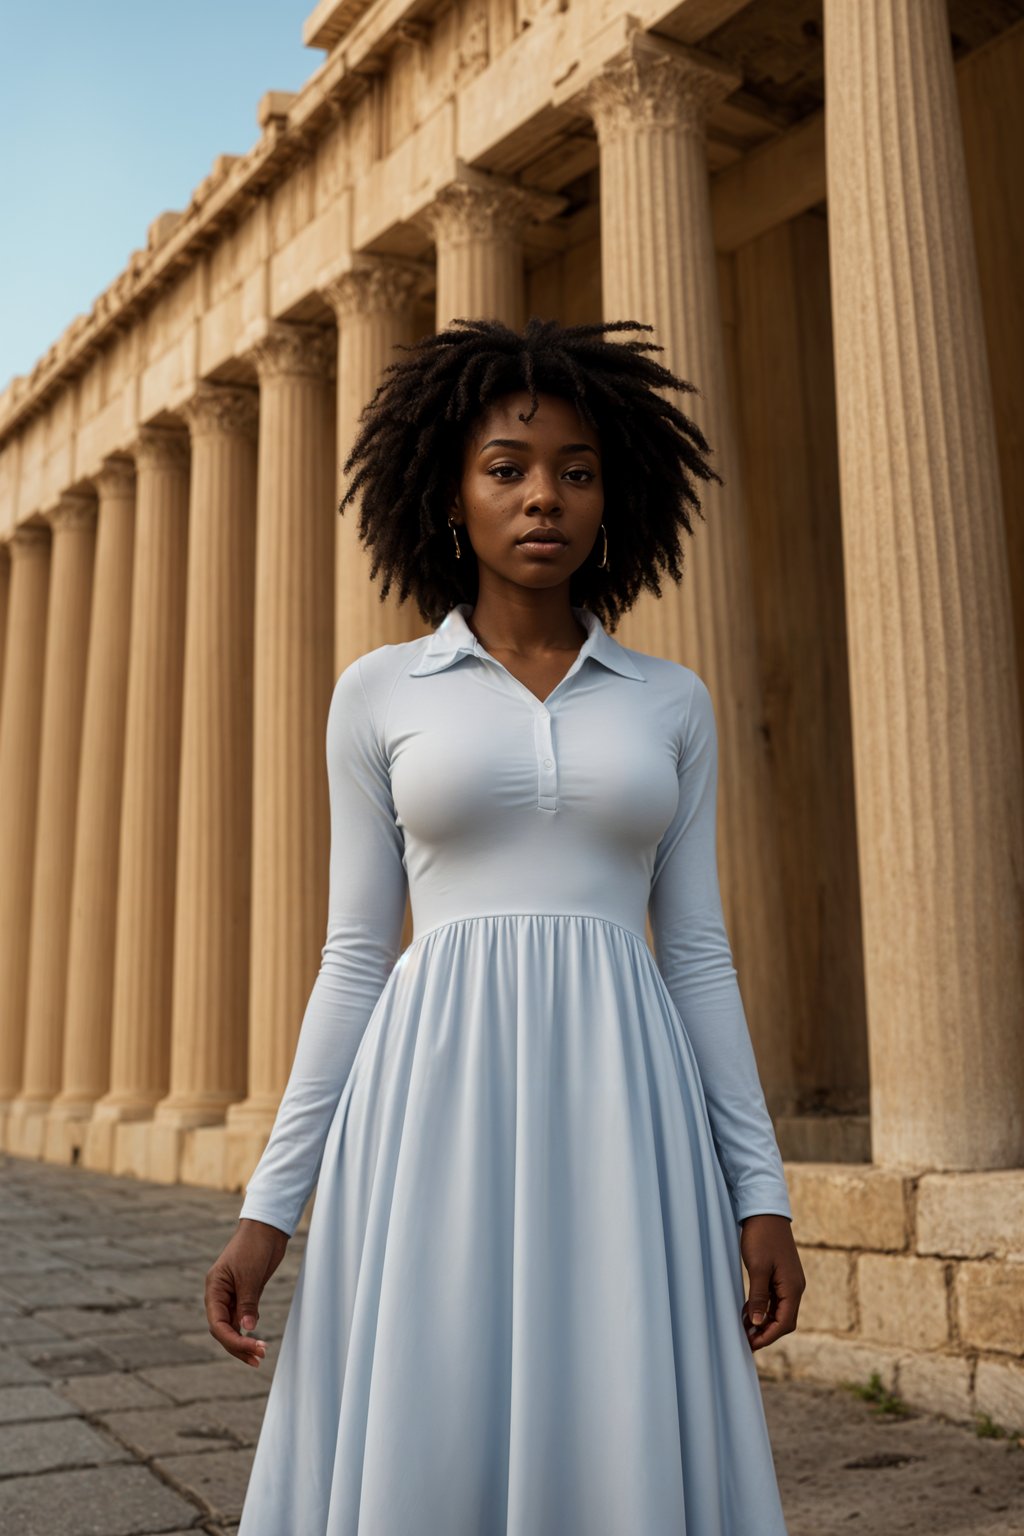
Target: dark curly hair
412, 434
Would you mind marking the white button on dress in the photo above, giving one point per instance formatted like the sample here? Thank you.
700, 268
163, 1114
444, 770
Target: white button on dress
519, 1308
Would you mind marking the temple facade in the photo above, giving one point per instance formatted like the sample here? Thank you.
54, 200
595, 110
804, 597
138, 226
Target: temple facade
815, 204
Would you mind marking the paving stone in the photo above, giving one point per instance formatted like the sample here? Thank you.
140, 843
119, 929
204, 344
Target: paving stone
217, 1479
53, 1288
87, 1322
242, 1416
20, 1404
195, 1427
16, 1371
118, 1500
16, 1328
69, 1357
197, 1383
120, 1389
135, 1351
54, 1444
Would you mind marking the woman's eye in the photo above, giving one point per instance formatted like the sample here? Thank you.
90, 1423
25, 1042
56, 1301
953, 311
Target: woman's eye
586, 473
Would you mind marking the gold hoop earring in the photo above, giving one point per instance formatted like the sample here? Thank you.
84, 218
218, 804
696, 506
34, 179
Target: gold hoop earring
455, 536
603, 563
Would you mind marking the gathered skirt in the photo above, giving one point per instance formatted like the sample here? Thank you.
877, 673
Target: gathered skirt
518, 1312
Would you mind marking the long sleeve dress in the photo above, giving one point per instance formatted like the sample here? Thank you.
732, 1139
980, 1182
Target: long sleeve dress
518, 1312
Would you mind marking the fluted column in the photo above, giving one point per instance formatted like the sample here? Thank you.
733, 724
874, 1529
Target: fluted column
375, 304
73, 524
141, 1022
21, 717
933, 682
211, 930
294, 676
90, 982
658, 262
477, 226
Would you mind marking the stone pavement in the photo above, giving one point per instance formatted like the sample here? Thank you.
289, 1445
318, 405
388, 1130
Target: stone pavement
120, 1415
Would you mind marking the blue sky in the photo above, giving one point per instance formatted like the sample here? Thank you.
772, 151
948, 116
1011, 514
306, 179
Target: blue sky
114, 111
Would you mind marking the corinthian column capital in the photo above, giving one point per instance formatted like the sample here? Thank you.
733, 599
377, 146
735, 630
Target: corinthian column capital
294, 349
376, 286
227, 409
161, 448
116, 477
28, 538
656, 84
479, 206
73, 510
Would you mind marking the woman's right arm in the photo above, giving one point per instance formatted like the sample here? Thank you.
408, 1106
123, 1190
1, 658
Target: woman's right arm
366, 912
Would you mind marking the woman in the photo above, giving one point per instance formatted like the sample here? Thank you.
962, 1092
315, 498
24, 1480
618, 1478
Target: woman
539, 1150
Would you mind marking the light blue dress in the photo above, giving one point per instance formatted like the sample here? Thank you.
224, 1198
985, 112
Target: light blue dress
519, 1308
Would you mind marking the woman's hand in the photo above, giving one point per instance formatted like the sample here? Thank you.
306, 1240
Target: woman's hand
777, 1279
234, 1284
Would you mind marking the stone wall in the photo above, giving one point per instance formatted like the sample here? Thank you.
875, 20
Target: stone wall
918, 1276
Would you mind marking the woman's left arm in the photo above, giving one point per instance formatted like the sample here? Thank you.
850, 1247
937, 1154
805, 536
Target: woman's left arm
694, 956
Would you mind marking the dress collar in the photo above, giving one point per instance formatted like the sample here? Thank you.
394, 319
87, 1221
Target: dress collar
453, 638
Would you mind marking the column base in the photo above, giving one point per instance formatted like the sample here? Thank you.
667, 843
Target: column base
67, 1123
112, 1140
26, 1127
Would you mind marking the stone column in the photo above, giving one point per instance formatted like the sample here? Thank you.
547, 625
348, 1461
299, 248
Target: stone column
73, 522
477, 225
21, 718
375, 305
141, 1022
658, 262
294, 676
933, 681
211, 928
5, 592
90, 986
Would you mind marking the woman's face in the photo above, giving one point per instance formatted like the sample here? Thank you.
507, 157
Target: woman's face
518, 476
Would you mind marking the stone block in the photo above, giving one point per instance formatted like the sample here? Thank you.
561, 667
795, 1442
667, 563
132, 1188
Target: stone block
60, 1442
938, 1383
999, 1392
842, 1205
824, 1357
164, 1145
200, 1382
204, 1157
117, 1500
990, 1305
218, 1479
131, 1147
118, 1389
827, 1303
903, 1300
23, 1403
972, 1215
26, 1133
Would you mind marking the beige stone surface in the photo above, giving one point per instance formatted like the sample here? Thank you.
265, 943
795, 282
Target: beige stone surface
976, 1215
999, 1392
828, 1303
903, 1300
939, 1382
990, 1305
849, 1206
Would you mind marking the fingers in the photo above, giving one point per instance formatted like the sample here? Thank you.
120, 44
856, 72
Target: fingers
221, 1307
779, 1317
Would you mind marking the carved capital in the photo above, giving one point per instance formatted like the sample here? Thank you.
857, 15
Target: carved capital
161, 448
28, 539
228, 409
73, 512
376, 287
116, 478
650, 85
465, 211
294, 349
